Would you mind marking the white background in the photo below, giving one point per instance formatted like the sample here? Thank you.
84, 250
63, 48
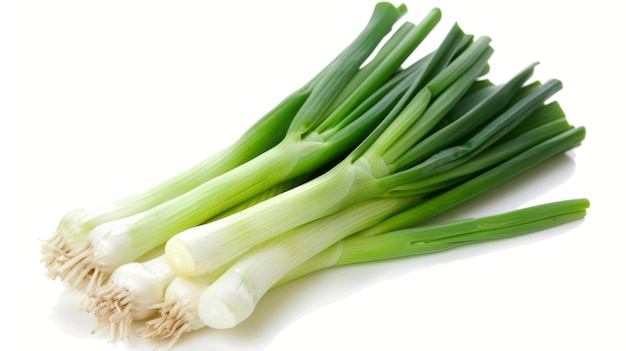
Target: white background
103, 99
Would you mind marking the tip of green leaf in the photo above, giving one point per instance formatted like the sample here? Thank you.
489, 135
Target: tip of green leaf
436, 12
402, 9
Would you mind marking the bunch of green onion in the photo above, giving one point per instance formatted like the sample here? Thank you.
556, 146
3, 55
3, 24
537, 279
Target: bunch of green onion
342, 171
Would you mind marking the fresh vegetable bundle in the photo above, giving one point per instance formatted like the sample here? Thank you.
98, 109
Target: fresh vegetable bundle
342, 171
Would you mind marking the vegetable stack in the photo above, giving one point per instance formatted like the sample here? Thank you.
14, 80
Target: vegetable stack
342, 171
